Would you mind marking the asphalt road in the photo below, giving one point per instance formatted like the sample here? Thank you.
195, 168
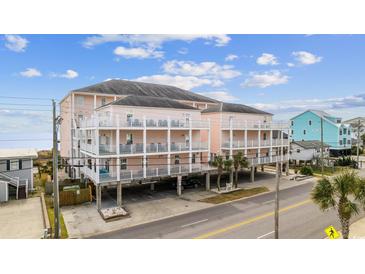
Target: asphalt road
252, 218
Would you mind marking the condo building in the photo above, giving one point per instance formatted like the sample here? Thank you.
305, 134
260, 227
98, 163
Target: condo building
120, 132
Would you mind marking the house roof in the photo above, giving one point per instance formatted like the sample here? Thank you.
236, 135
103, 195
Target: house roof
229, 107
18, 153
310, 144
150, 101
124, 87
321, 114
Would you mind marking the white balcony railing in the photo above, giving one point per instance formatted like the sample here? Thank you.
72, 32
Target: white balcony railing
239, 124
254, 143
109, 121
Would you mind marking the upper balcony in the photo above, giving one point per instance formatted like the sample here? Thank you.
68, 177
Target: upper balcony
115, 122
135, 149
254, 143
254, 125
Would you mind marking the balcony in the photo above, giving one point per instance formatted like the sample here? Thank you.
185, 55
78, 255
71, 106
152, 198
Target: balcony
254, 143
156, 148
131, 148
276, 125
114, 122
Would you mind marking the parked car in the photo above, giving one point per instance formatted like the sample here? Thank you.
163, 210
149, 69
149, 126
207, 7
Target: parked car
189, 183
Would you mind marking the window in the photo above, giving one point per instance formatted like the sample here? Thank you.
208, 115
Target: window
103, 101
81, 117
304, 132
292, 123
298, 150
292, 131
177, 159
7, 165
79, 100
348, 132
193, 159
123, 163
340, 142
14, 164
20, 164
129, 117
310, 122
348, 142
264, 136
129, 138
340, 132
344, 131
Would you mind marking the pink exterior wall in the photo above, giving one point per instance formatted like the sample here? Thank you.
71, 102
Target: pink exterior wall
65, 129
215, 131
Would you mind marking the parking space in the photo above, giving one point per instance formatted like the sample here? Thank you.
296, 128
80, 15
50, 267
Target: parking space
21, 219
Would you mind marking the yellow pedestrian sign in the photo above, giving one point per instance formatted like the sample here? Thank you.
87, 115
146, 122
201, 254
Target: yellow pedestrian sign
331, 232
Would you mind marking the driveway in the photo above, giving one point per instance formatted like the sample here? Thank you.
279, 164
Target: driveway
21, 219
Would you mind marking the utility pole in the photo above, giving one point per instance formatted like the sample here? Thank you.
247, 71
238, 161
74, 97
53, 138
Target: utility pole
278, 173
322, 160
56, 204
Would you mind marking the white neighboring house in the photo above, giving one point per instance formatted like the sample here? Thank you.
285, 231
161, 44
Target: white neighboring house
307, 150
357, 123
16, 172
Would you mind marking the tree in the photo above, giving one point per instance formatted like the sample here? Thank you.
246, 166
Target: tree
238, 162
228, 166
218, 162
345, 192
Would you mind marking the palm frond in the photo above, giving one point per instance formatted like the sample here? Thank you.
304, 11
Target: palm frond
323, 194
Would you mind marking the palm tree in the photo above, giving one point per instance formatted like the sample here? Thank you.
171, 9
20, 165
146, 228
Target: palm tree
345, 192
238, 162
218, 162
228, 166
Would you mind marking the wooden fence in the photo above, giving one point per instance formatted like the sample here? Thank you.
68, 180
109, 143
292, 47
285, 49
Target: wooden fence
75, 197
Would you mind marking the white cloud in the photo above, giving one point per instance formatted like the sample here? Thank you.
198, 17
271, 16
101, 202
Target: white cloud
231, 57
69, 74
184, 82
326, 104
306, 58
267, 59
183, 51
266, 79
139, 53
16, 43
31, 72
290, 65
206, 69
154, 40
220, 95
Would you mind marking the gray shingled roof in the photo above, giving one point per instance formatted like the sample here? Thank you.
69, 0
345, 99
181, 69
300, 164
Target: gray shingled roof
124, 87
150, 101
310, 144
229, 107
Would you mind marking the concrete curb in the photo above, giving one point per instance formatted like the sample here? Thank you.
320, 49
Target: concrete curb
181, 214
46, 224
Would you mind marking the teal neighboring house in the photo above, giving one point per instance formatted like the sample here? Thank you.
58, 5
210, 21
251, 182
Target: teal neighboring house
307, 127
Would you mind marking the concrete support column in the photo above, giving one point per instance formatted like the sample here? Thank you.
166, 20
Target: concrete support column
152, 187
287, 169
207, 181
230, 137
178, 185
253, 174
209, 140
119, 194
190, 144
259, 143
98, 196
262, 168
144, 148
168, 146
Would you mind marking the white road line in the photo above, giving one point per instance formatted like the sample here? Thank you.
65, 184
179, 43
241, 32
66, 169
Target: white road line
268, 202
262, 236
197, 222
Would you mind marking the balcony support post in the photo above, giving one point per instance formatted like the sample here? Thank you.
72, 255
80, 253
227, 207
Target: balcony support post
98, 197
178, 185
117, 143
144, 148
270, 151
119, 194
230, 138
245, 153
152, 187
190, 144
168, 146
209, 139
252, 173
207, 181
259, 142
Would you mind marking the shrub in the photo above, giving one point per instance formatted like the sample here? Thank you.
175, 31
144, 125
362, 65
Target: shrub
44, 179
354, 150
306, 170
346, 161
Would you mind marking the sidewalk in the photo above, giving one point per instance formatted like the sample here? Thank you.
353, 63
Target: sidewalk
357, 229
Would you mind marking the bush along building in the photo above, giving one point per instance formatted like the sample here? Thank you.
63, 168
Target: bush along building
307, 127
119, 132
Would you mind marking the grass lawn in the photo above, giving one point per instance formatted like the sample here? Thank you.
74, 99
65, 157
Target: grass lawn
50, 211
235, 195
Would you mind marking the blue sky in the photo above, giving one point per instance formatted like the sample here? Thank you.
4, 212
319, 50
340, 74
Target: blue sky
283, 74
